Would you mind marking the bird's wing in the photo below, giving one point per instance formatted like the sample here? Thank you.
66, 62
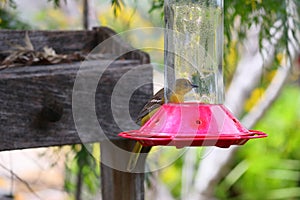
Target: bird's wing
156, 101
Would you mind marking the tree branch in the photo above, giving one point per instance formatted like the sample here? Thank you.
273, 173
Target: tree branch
22, 181
268, 98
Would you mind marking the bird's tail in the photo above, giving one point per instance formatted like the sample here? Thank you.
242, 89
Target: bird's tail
134, 156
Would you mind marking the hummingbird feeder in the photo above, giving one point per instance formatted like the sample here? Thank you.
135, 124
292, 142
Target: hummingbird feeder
193, 51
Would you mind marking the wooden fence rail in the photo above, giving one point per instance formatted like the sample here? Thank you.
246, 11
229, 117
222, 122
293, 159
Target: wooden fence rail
36, 101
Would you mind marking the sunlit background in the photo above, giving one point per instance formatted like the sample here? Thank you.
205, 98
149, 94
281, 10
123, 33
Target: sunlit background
262, 169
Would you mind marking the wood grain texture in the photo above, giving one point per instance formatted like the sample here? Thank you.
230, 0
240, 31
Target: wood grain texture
60, 41
66, 42
26, 92
37, 102
116, 184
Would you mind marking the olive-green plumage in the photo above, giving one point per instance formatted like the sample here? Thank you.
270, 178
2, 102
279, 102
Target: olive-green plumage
182, 86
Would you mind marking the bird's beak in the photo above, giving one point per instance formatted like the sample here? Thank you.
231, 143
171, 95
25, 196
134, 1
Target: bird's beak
194, 86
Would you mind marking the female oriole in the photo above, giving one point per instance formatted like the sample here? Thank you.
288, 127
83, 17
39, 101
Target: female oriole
182, 86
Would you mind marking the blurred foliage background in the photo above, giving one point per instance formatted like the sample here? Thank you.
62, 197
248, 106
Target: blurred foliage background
270, 168
265, 169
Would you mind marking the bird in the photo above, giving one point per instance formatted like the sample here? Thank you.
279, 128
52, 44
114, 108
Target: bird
182, 87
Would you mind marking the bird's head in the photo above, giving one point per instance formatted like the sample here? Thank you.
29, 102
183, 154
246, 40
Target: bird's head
183, 86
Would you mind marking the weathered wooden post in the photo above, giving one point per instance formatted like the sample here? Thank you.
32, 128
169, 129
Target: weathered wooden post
36, 101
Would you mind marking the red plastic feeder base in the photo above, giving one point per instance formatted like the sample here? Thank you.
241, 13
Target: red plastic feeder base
192, 124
